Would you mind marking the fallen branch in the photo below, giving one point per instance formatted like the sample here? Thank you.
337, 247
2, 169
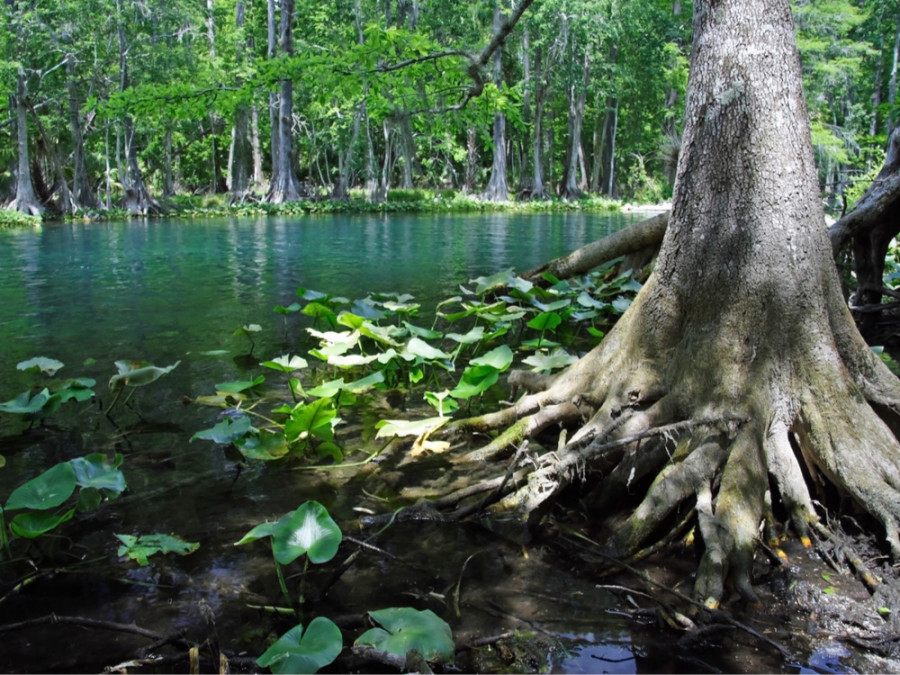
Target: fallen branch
632, 239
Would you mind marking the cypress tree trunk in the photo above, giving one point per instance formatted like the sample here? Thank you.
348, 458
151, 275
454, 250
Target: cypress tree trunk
739, 358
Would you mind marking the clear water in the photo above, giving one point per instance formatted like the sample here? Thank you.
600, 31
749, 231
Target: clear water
160, 290
171, 290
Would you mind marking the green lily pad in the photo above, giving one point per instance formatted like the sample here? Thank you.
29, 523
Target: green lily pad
31, 525
225, 431
25, 403
40, 364
304, 652
405, 628
46, 491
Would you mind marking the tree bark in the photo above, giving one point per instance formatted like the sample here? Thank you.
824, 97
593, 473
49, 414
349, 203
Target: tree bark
741, 336
82, 194
285, 184
577, 97
497, 189
137, 198
26, 200
240, 158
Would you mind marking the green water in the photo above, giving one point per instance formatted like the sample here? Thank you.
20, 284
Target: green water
166, 290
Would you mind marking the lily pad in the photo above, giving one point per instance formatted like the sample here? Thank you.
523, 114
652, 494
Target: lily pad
46, 491
40, 364
405, 628
304, 652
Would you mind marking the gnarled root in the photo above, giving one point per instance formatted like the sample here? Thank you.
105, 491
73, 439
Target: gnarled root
699, 451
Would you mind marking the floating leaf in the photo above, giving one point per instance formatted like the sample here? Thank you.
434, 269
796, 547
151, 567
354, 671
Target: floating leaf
304, 652
405, 628
138, 374
240, 385
31, 525
418, 347
140, 548
40, 364
225, 431
97, 471
25, 404
264, 445
46, 491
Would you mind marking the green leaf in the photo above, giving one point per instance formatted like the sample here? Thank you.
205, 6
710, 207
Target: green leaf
240, 385
405, 628
424, 333
312, 419
264, 445
402, 428
259, 532
560, 358
442, 402
475, 381
366, 383
40, 364
31, 525
473, 336
138, 374
545, 321
418, 347
500, 358
327, 389
225, 431
46, 491
310, 530
286, 363
24, 404
299, 652
140, 548
97, 471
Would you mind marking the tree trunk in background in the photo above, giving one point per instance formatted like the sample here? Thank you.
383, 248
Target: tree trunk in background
286, 186
577, 96
82, 194
538, 189
26, 200
407, 148
240, 154
471, 160
137, 198
497, 189
169, 188
271, 52
892, 82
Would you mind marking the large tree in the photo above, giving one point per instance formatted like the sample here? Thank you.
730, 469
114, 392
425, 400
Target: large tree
738, 361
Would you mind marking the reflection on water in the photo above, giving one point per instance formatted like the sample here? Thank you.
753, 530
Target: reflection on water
165, 291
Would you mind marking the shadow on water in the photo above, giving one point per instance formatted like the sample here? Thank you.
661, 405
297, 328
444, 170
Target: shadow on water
160, 291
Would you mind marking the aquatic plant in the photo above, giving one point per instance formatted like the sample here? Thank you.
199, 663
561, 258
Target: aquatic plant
46, 501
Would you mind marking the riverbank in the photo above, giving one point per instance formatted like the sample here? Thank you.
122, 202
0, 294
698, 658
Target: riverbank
398, 201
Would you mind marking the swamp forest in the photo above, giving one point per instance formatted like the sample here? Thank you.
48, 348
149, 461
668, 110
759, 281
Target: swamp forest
407, 336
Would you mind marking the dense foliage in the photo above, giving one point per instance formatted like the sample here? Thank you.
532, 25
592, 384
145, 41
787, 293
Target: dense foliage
379, 96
